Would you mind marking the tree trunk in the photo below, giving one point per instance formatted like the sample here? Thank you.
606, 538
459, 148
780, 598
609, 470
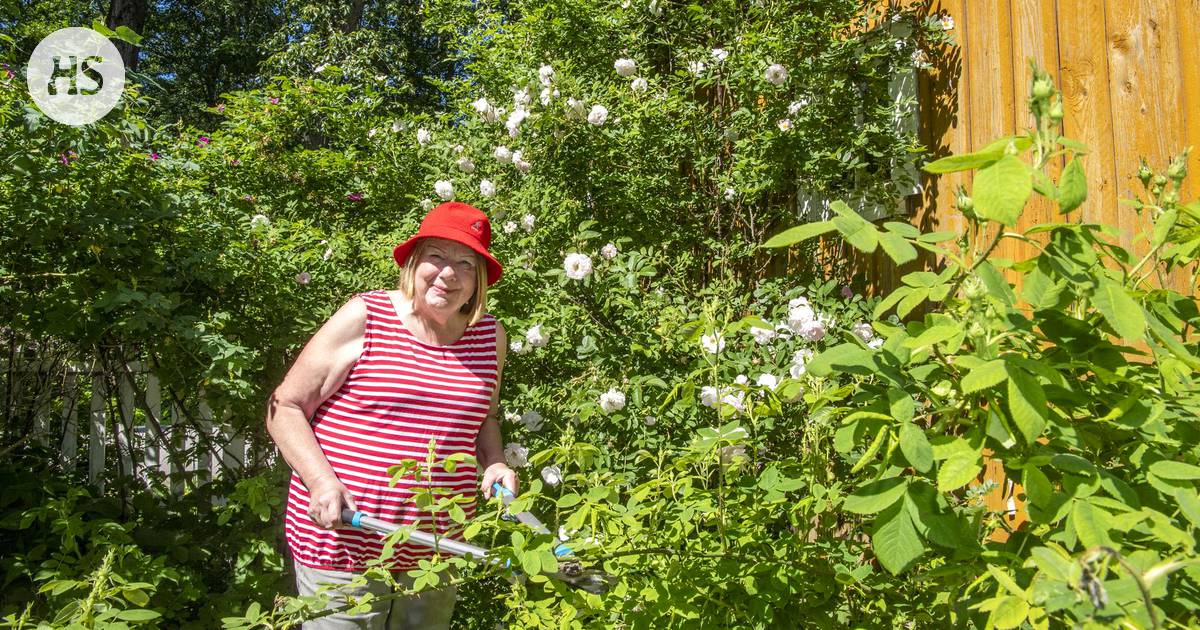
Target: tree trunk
354, 19
131, 13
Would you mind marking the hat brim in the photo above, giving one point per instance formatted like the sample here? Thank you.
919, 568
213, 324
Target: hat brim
403, 250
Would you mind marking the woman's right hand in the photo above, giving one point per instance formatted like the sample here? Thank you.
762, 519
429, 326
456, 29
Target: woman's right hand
327, 497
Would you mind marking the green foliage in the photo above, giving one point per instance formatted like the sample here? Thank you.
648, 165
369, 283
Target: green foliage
1083, 388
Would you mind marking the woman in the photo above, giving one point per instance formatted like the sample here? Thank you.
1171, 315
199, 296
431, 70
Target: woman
390, 371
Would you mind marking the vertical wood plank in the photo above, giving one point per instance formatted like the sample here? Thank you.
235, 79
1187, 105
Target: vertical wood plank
123, 424
945, 120
98, 431
177, 433
1143, 61
152, 450
1187, 20
206, 468
1085, 86
70, 416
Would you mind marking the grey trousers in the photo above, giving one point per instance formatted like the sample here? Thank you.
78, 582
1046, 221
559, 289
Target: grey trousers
430, 610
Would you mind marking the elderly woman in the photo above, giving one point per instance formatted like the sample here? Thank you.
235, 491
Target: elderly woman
388, 373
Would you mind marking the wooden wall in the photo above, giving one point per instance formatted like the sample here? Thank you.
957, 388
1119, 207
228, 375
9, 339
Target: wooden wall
1129, 71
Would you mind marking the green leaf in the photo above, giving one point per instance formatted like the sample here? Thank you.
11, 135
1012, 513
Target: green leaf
857, 231
136, 596
1026, 402
1178, 471
895, 541
1037, 486
1089, 524
1189, 505
983, 157
844, 355
797, 234
915, 447
897, 247
957, 471
138, 614
1001, 190
1120, 311
567, 500
901, 405
875, 496
1009, 613
1072, 187
1163, 225
986, 375
933, 335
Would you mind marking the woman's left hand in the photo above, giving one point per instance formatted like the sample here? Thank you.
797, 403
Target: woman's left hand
498, 472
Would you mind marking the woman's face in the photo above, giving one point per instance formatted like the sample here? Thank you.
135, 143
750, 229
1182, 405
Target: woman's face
445, 275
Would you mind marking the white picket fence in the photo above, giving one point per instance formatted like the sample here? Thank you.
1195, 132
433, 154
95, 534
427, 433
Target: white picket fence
149, 431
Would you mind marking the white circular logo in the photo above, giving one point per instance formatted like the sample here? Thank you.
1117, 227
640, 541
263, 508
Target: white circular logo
76, 76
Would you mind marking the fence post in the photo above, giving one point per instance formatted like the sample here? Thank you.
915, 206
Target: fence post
179, 439
98, 429
70, 416
153, 448
204, 459
123, 426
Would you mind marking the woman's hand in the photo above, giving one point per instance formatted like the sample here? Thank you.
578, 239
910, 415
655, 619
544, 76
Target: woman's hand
498, 472
327, 497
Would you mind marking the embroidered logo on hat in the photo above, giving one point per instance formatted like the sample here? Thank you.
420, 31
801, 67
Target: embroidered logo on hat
477, 226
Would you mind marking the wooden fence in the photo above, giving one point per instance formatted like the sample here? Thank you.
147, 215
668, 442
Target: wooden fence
98, 418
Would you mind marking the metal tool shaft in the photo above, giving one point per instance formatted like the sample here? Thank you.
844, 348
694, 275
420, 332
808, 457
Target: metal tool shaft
456, 547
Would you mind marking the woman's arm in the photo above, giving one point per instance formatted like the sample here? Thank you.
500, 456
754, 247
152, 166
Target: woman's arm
489, 445
319, 371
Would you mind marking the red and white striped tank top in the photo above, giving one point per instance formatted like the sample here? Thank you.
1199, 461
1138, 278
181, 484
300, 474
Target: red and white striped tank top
399, 395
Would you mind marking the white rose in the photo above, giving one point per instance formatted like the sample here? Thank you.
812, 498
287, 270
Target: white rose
466, 165
776, 74
545, 94
528, 221
532, 421
444, 189
736, 400
510, 227
795, 106
655, 8
545, 74
521, 99
863, 331
516, 455
426, 204
487, 188
371, 133
485, 110
503, 155
512, 416
813, 330
535, 337
799, 315
802, 357
397, 126
875, 343
516, 346
651, 421
947, 22
458, 148
598, 115
552, 475
697, 67
625, 67
730, 454
259, 220
768, 381
762, 336
303, 278
576, 110
719, 54
328, 253
712, 344
730, 194
513, 124
639, 85
741, 379
424, 137
785, 125
612, 400
609, 251
577, 266
709, 396
521, 164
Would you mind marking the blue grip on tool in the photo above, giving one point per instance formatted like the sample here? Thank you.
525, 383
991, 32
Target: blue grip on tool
354, 522
499, 489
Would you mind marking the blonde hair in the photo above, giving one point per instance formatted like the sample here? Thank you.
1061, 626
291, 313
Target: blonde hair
475, 308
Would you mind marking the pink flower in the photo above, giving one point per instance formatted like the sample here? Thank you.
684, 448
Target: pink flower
234, 162
221, 108
153, 155
203, 142
354, 196
62, 157
274, 100
847, 292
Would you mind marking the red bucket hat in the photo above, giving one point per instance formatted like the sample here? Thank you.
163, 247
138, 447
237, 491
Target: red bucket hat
458, 222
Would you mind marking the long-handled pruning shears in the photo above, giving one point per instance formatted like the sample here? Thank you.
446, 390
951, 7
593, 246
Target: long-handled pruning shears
570, 571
